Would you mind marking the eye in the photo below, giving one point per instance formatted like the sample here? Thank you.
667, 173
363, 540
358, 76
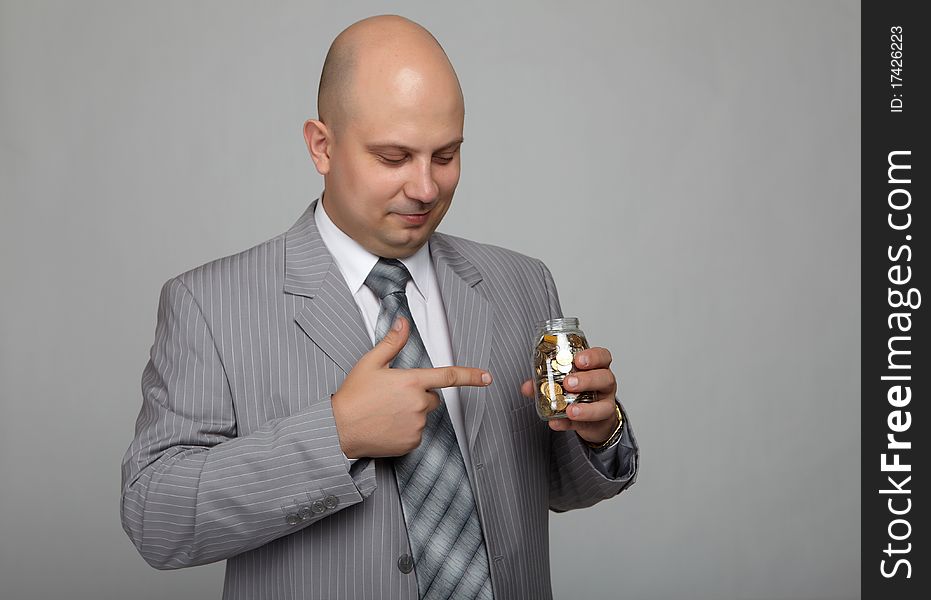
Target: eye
443, 160
391, 161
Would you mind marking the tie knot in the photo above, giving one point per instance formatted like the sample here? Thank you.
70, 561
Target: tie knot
388, 276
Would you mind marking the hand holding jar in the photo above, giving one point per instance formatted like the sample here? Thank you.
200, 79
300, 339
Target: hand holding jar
573, 385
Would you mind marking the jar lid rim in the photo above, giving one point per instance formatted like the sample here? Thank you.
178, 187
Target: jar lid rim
558, 321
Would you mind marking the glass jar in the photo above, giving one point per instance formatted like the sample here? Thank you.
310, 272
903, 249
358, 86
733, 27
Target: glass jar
556, 343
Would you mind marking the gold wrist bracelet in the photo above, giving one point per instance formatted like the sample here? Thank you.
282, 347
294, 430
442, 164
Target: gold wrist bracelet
614, 435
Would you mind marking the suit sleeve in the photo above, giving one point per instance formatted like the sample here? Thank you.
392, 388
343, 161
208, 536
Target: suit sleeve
578, 476
193, 492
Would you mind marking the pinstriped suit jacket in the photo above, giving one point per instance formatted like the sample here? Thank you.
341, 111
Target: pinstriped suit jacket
236, 435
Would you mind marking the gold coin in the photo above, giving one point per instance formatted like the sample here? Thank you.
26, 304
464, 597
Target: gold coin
550, 389
560, 402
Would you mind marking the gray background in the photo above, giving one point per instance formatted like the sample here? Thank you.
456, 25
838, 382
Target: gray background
688, 170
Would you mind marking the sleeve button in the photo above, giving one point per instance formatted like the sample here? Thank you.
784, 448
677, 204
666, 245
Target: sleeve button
331, 501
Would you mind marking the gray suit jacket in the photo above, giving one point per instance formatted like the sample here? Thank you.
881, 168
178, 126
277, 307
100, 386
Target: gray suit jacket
236, 454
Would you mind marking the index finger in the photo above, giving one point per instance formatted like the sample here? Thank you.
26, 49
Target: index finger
441, 377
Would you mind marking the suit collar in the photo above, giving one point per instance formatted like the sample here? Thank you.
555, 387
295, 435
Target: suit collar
307, 262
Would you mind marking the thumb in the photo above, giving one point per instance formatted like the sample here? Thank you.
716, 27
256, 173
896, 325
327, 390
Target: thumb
390, 345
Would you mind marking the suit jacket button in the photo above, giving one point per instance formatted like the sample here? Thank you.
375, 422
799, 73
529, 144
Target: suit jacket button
318, 506
331, 501
406, 563
293, 519
305, 512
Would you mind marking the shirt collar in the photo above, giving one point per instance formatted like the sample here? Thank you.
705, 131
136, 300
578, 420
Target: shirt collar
355, 262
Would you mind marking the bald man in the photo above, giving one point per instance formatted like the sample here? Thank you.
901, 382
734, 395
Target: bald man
344, 411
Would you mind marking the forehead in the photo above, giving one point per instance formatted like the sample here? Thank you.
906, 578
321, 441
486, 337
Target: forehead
412, 107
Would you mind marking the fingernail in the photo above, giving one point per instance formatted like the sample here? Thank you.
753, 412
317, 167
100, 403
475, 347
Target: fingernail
583, 360
486, 377
571, 381
574, 410
397, 324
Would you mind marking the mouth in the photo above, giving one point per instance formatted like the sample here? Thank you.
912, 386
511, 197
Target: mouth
414, 218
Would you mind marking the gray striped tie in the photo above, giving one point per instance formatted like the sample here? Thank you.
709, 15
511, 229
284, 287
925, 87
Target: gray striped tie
442, 523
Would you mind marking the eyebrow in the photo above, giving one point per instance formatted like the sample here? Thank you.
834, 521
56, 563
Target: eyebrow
393, 146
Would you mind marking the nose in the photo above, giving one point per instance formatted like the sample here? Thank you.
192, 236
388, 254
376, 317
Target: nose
422, 185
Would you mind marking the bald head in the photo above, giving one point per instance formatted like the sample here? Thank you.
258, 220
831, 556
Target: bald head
375, 56
388, 137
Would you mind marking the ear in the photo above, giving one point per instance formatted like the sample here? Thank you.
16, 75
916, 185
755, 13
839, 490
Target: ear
318, 139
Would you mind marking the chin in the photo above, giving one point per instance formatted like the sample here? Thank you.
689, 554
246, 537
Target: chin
411, 245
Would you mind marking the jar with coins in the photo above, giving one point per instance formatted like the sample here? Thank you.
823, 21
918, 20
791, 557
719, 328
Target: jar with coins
555, 345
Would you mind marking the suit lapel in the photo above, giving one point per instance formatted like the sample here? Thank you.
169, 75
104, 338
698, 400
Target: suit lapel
470, 316
331, 317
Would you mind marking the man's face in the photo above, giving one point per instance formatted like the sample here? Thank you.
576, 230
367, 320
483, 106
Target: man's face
394, 166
